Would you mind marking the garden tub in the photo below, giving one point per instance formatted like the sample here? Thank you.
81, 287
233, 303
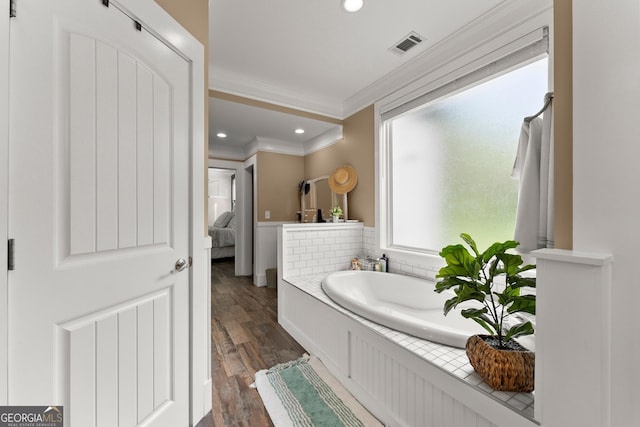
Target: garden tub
406, 304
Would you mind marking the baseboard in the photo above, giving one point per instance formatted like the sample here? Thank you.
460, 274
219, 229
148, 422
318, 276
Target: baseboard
207, 395
260, 280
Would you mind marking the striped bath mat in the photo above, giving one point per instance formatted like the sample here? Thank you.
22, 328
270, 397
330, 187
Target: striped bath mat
303, 393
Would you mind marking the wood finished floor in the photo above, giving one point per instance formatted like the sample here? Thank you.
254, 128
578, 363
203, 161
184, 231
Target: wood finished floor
245, 337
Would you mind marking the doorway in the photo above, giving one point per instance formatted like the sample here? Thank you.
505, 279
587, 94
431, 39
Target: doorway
222, 219
240, 182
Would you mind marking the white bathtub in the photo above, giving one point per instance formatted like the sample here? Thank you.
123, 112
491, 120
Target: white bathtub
403, 303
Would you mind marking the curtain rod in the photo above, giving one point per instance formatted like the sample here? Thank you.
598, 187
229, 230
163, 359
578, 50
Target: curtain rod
547, 100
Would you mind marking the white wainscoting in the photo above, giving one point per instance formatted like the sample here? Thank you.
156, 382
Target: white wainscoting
398, 387
266, 250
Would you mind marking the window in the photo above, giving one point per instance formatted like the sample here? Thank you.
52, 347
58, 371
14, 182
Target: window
449, 161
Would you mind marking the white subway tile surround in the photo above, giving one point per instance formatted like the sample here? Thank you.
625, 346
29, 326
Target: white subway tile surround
310, 252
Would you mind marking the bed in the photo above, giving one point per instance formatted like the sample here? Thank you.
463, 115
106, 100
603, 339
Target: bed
223, 236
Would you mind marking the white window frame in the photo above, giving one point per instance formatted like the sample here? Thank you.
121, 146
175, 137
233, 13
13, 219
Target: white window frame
471, 68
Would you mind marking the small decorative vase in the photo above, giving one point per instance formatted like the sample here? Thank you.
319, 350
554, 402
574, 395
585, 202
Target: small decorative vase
336, 218
505, 370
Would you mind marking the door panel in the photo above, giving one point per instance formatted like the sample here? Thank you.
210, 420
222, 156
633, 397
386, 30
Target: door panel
100, 181
98, 206
129, 344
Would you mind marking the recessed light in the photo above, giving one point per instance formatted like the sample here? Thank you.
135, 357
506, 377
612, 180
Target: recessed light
299, 131
352, 5
221, 135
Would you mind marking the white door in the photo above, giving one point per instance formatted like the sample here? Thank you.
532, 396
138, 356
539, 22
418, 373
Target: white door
98, 208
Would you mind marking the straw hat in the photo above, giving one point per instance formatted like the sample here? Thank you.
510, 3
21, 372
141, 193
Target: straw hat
343, 179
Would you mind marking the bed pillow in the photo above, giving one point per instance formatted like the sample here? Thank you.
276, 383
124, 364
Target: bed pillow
223, 220
232, 222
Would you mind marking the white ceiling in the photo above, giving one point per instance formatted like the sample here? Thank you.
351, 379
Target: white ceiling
244, 123
313, 56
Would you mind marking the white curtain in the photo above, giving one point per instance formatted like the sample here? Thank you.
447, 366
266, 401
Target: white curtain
534, 167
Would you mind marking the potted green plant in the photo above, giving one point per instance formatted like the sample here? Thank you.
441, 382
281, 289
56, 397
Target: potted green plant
335, 211
491, 285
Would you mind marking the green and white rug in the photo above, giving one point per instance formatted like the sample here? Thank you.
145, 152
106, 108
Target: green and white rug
303, 393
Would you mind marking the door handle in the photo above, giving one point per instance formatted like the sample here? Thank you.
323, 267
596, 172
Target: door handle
182, 264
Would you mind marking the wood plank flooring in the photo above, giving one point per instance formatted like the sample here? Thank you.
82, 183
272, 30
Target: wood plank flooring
245, 337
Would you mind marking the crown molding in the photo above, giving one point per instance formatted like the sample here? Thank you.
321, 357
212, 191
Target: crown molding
513, 19
273, 146
270, 145
323, 140
251, 148
227, 153
234, 84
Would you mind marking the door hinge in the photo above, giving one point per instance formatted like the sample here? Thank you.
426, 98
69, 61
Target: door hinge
10, 256
12, 8
105, 3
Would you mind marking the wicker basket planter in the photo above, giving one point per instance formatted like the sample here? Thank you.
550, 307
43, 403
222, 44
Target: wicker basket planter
505, 370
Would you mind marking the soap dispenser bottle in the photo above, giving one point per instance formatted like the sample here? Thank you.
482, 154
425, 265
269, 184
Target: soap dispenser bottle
386, 262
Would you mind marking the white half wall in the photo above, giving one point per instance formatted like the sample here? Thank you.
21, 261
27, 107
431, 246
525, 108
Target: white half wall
266, 250
573, 340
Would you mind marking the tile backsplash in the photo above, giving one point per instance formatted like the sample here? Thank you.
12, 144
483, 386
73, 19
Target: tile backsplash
396, 265
313, 249
320, 250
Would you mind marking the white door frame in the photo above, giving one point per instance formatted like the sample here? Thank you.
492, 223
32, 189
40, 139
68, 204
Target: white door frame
243, 250
156, 20
4, 177
250, 171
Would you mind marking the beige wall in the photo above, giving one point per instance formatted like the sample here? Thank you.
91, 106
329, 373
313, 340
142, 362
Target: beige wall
277, 185
356, 149
193, 15
563, 122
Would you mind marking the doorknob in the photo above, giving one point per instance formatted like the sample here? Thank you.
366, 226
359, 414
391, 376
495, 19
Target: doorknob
182, 263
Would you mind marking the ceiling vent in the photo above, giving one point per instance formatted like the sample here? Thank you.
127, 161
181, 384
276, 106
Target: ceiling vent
408, 42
